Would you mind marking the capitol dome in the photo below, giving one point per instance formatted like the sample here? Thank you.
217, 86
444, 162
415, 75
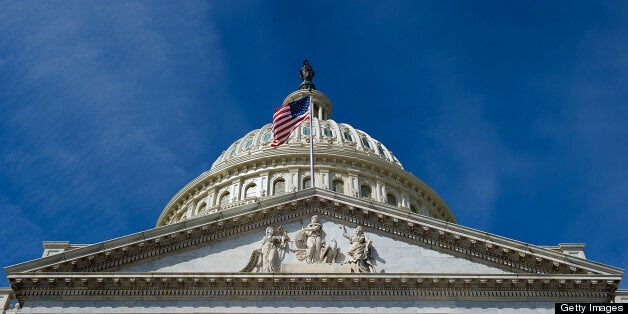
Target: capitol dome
347, 161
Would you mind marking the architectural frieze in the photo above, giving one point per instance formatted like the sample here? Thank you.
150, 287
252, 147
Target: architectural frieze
385, 286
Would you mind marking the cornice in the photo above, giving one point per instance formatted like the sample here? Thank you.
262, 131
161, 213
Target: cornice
435, 234
331, 286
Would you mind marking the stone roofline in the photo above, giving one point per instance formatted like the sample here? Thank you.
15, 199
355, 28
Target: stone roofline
443, 236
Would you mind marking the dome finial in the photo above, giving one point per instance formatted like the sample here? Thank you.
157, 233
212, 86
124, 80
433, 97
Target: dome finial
307, 73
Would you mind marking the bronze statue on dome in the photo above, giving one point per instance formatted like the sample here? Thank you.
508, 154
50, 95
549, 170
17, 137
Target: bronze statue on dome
307, 74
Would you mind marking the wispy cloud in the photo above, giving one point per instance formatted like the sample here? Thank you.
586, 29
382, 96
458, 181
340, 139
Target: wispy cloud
92, 97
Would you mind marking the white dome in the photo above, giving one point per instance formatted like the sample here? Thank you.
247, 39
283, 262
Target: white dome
347, 161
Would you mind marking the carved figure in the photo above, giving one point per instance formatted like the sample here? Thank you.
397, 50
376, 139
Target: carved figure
266, 259
308, 242
314, 232
330, 253
359, 252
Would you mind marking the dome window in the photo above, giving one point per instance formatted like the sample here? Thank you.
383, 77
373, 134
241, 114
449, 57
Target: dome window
413, 209
338, 186
201, 208
365, 142
328, 132
279, 187
391, 200
381, 151
365, 191
250, 191
266, 137
224, 199
306, 130
307, 183
347, 136
233, 152
248, 143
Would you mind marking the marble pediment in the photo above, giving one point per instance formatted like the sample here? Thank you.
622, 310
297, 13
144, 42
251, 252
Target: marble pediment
387, 254
232, 241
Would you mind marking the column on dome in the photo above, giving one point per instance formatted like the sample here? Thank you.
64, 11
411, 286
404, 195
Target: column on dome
188, 211
380, 192
322, 178
211, 199
293, 180
264, 189
354, 188
405, 200
235, 190
318, 134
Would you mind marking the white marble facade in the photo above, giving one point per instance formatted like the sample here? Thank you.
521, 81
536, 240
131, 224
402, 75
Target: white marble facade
284, 306
391, 255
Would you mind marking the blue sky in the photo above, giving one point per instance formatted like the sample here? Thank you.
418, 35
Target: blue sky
512, 111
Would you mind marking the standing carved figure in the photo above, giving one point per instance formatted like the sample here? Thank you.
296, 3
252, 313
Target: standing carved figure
359, 252
314, 233
272, 249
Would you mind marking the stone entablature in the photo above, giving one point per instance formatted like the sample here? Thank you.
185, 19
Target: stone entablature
425, 231
357, 286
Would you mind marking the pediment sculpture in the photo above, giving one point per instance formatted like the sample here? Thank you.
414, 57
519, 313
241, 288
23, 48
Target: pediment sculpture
309, 246
309, 241
360, 252
267, 258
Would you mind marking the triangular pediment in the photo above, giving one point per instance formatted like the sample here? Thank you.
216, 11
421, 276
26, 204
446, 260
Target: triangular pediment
387, 254
403, 242
215, 256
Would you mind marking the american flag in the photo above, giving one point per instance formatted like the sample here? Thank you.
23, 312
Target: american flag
288, 117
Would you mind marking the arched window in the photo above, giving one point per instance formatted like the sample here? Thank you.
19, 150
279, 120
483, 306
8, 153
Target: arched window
248, 143
279, 187
327, 132
391, 200
224, 198
201, 208
365, 191
307, 183
338, 186
249, 192
365, 142
381, 151
414, 209
266, 137
347, 136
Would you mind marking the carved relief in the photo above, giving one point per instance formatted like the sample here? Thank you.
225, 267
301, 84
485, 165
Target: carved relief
330, 253
267, 258
310, 246
308, 242
359, 252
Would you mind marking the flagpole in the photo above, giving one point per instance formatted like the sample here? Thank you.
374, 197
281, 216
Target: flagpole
311, 138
